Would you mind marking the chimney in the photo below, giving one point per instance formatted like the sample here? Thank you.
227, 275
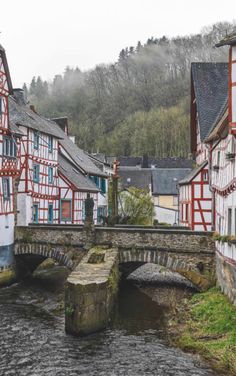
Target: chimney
33, 108
63, 123
19, 96
230, 40
145, 161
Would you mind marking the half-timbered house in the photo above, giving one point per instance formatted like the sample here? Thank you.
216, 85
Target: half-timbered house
86, 167
208, 96
9, 166
74, 188
38, 189
222, 159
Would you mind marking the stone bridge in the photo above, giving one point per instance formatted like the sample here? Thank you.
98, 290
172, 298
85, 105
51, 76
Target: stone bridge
189, 253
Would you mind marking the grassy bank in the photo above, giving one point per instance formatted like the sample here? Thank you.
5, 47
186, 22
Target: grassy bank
206, 324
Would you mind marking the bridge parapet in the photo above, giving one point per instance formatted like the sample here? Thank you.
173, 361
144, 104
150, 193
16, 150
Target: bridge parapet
151, 238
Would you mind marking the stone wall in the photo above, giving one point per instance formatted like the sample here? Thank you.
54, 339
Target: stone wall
90, 293
150, 238
226, 277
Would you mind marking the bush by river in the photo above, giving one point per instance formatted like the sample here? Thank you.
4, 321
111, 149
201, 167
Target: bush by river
206, 324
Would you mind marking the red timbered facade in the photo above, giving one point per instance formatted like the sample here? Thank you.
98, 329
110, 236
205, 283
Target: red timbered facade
74, 188
222, 143
208, 95
9, 168
195, 200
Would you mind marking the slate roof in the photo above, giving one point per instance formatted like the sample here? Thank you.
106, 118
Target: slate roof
78, 155
168, 162
191, 175
21, 114
164, 180
210, 81
135, 177
80, 181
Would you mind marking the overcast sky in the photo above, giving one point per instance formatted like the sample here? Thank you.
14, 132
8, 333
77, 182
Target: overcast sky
42, 37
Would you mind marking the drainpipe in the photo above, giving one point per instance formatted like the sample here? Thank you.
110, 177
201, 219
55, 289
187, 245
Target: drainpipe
210, 148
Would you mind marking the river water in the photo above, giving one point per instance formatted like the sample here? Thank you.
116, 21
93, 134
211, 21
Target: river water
33, 341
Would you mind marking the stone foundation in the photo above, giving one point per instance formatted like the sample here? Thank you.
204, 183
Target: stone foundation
226, 277
90, 293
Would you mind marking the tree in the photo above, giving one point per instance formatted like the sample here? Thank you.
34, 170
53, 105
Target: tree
137, 206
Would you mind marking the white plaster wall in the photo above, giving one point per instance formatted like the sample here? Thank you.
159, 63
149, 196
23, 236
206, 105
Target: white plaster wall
6, 229
24, 209
166, 215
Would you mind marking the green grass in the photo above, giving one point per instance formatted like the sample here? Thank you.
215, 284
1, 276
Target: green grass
210, 329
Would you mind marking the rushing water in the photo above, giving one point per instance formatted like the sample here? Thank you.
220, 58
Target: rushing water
33, 341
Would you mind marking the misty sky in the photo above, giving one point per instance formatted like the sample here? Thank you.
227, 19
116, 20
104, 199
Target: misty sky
42, 37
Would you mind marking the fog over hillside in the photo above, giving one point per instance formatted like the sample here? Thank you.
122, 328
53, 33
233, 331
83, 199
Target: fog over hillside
139, 104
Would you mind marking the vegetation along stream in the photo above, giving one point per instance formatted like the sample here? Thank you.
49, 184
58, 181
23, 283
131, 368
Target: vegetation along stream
33, 341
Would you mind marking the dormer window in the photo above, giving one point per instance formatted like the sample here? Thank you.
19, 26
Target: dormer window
36, 140
50, 144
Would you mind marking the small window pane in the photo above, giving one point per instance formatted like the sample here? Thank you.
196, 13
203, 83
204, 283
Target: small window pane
6, 188
229, 221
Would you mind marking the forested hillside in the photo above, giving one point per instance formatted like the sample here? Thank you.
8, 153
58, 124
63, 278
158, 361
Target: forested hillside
139, 104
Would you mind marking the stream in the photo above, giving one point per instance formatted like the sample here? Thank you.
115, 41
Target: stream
33, 341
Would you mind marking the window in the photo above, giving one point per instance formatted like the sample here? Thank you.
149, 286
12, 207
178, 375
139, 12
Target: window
218, 158
205, 176
50, 144
229, 221
66, 214
186, 212
50, 213
50, 175
6, 188
36, 140
103, 185
35, 216
0, 105
36, 173
9, 147
175, 200
83, 211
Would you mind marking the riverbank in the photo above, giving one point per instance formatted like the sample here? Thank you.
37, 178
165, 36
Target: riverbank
206, 324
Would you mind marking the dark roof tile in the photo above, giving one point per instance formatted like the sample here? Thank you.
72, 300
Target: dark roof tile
80, 181
210, 81
165, 181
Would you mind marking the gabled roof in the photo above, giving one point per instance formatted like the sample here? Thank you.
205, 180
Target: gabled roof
81, 182
166, 162
165, 180
78, 155
4, 60
191, 175
135, 177
210, 82
21, 114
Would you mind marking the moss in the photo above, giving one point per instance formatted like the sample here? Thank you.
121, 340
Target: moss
27, 237
207, 325
7, 277
113, 280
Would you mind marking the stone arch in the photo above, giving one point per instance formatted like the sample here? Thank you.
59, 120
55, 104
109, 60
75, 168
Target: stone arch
185, 266
45, 251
